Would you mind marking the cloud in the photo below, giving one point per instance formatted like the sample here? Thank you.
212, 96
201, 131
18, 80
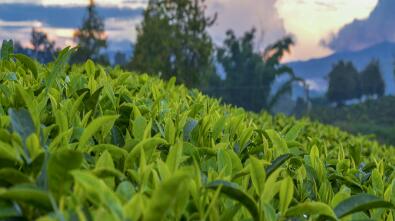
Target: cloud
121, 38
243, 15
377, 28
18, 19
102, 3
60, 18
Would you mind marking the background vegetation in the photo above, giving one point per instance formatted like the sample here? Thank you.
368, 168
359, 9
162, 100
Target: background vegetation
373, 117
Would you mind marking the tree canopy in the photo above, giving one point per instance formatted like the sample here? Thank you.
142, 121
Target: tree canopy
250, 73
344, 83
173, 41
91, 37
43, 48
372, 82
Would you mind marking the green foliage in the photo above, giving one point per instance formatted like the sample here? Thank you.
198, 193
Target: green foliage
28, 63
346, 83
173, 41
374, 117
7, 48
233, 191
360, 202
104, 144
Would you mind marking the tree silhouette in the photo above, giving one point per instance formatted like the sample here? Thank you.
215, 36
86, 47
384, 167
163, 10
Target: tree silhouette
120, 59
43, 48
372, 81
249, 73
40, 41
344, 83
91, 37
173, 41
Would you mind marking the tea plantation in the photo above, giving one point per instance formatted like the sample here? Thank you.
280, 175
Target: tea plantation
93, 143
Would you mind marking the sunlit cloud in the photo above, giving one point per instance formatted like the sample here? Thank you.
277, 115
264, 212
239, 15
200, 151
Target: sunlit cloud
242, 16
362, 33
312, 20
309, 21
20, 23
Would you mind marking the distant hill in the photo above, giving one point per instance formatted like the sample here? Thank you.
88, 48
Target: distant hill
315, 70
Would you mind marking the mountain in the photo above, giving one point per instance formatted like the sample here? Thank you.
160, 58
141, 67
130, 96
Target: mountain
315, 70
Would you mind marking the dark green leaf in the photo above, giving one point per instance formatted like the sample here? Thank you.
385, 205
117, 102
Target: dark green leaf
30, 196
234, 192
22, 123
91, 101
8, 210
7, 48
13, 176
361, 202
277, 163
59, 165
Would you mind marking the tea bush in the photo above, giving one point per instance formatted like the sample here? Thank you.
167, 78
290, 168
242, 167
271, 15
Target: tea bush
94, 143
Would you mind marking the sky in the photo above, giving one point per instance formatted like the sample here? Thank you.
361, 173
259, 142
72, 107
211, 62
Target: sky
320, 27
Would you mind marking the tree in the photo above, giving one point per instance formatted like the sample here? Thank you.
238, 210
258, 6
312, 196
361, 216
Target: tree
40, 41
43, 48
250, 73
173, 41
91, 37
120, 59
372, 82
344, 83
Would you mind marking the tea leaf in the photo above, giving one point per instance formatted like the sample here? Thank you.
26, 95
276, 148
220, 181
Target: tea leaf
258, 175
13, 176
58, 66
98, 190
7, 48
286, 194
218, 127
311, 208
90, 67
93, 127
165, 197
22, 123
234, 192
358, 203
28, 63
275, 164
279, 144
59, 165
293, 133
30, 196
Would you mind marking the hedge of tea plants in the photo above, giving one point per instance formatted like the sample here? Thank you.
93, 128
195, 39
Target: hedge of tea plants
94, 143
